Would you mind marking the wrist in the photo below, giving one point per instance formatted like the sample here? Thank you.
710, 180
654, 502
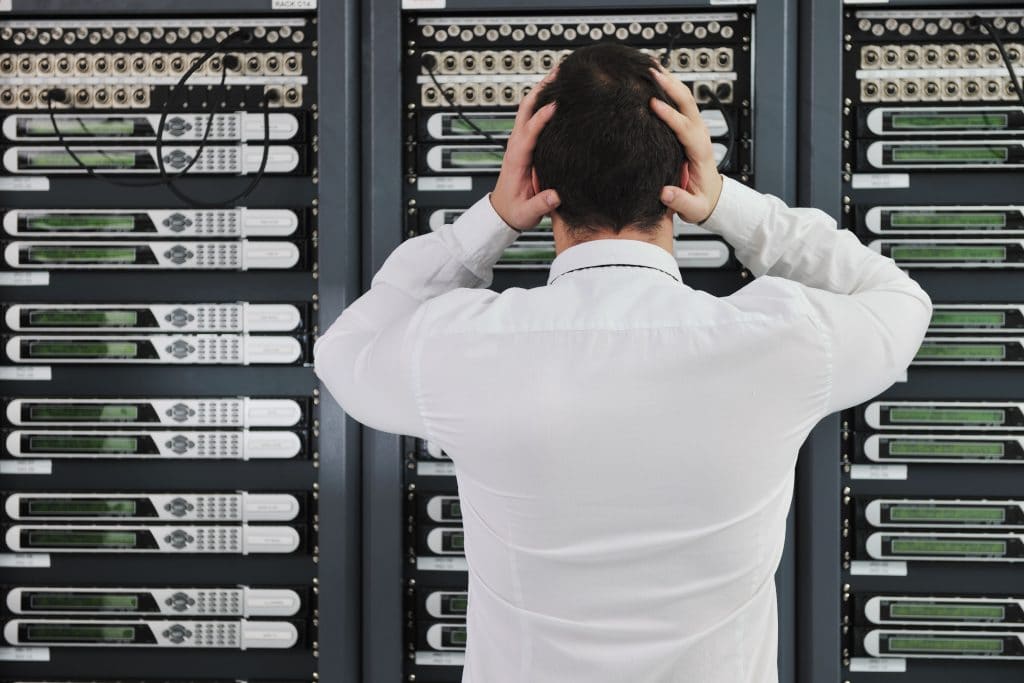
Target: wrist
500, 210
713, 197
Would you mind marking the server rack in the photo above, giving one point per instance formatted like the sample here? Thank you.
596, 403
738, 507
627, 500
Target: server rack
888, 598
325, 475
390, 459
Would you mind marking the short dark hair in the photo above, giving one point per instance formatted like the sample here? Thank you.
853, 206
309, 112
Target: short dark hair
605, 151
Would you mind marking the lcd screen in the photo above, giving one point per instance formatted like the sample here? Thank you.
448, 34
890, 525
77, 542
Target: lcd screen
83, 349
83, 318
935, 610
83, 412
916, 546
71, 222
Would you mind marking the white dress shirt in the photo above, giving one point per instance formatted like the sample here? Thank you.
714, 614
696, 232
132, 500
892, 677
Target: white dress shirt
624, 444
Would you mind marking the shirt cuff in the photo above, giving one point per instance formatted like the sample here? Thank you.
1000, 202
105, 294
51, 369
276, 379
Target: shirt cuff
481, 235
739, 211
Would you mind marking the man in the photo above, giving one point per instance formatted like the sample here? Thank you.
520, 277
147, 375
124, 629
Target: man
624, 444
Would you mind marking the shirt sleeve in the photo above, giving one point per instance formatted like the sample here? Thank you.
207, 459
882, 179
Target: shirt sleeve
367, 358
871, 314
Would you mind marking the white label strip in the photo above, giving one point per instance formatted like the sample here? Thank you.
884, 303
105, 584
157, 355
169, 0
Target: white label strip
423, 4
896, 665
975, 72
574, 20
431, 658
26, 466
26, 373
5, 5
733, 2
25, 560
435, 469
865, 2
24, 654
442, 564
445, 183
939, 13
876, 568
147, 22
880, 181
38, 183
293, 4
25, 278
155, 80
685, 76
878, 472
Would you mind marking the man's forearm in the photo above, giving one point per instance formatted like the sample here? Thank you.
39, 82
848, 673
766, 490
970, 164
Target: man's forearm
804, 245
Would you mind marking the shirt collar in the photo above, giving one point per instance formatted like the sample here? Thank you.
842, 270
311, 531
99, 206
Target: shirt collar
612, 253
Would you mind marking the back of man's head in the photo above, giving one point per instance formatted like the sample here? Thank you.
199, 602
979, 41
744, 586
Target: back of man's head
604, 151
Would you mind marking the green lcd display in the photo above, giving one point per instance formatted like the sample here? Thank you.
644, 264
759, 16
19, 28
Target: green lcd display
473, 158
458, 604
43, 633
458, 636
946, 610
94, 160
945, 645
938, 351
113, 602
953, 513
913, 122
946, 416
82, 506
83, 318
488, 125
957, 449
902, 252
83, 412
457, 541
926, 546
83, 349
968, 319
83, 538
61, 254
82, 443
911, 154
543, 254
71, 222
455, 509
945, 220
79, 126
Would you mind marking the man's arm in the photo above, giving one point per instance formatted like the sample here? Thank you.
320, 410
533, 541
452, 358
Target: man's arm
872, 315
367, 358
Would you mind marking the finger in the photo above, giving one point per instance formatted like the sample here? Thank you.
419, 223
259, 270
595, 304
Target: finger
682, 202
690, 133
539, 206
526, 106
520, 146
678, 92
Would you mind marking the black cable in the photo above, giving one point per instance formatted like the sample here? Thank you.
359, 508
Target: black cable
430, 63
978, 22
165, 178
729, 122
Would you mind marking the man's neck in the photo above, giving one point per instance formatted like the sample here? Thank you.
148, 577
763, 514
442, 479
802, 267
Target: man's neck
662, 236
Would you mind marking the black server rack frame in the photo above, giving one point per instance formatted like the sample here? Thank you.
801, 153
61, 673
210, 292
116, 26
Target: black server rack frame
331, 462
840, 508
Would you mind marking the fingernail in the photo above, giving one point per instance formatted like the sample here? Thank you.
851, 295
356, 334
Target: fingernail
667, 195
552, 199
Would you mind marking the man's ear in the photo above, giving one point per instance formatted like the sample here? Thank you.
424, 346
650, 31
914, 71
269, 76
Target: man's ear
684, 175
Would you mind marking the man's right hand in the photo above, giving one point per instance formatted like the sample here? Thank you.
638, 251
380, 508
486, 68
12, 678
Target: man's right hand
703, 184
